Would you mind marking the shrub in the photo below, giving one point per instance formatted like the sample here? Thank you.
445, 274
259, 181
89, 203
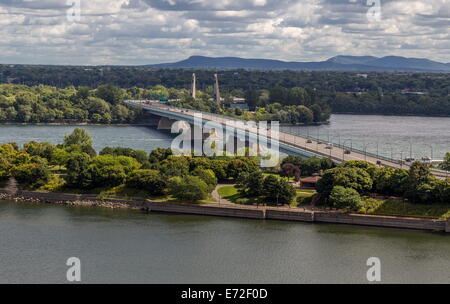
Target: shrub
345, 198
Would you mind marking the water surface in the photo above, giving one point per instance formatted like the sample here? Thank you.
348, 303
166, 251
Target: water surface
131, 247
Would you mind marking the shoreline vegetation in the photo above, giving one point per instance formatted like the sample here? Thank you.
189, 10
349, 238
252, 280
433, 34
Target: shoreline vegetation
73, 168
105, 105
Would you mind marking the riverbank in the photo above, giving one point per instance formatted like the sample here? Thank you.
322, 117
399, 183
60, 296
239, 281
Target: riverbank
73, 124
227, 210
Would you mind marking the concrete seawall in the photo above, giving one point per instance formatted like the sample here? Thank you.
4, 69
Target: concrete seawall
248, 212
380, 221
287, 215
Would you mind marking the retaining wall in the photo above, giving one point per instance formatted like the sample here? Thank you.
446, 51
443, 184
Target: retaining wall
285, 215
240, 212
380, 221
206, 210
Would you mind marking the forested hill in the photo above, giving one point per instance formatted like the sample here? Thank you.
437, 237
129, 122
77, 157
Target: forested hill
127, 77
338, 63
342, 92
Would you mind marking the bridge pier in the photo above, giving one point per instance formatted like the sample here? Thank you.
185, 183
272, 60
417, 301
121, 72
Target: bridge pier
165, 123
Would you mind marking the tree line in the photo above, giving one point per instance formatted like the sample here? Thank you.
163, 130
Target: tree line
343, 186
342, 92
75, 166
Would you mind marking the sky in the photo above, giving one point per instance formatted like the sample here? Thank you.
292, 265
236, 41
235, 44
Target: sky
134, 32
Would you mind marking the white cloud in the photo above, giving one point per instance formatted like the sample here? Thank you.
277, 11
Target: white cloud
153, 31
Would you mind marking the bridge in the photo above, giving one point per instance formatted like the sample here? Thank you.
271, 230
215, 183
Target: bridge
291, 144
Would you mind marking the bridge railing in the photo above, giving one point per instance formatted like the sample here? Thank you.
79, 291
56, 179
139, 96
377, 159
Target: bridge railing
283, 133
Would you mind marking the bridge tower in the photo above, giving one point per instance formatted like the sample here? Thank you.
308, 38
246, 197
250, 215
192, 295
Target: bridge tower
194, 86
216, 89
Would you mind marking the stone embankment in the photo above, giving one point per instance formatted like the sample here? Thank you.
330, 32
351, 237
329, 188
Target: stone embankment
228, 210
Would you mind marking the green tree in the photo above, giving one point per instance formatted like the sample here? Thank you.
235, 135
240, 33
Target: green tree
345, 198
160, 154
208, 176
446, 163
277, 191
77, 171
305, 115
44, 150
148, 180
79, 137
419, 181
34, 174
239, 165
251, 184
174, 166
354, 178
371, 169
110, 93
188, 188
111, 171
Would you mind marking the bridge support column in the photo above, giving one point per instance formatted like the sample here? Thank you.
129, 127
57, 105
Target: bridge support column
165, 123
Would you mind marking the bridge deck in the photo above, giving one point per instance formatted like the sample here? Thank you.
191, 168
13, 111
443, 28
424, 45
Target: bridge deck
291, 141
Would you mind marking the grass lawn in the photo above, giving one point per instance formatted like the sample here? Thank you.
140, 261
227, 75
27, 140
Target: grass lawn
301, 193
227, 191
389, 207
231, 194
307, 190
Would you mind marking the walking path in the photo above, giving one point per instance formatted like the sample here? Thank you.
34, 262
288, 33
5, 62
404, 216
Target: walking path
215, 194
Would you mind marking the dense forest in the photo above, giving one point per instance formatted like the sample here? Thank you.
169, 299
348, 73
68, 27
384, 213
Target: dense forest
105, 105
342, 92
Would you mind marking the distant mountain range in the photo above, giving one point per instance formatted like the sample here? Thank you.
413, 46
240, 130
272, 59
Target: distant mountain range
338, 63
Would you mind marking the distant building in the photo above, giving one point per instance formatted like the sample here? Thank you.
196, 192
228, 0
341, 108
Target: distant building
310, 182
239, 103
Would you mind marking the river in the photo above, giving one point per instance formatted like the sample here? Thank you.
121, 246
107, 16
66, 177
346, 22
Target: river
117, 246
132, 247
418, 136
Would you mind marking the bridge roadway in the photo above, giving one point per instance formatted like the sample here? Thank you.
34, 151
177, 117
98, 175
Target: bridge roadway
290, 143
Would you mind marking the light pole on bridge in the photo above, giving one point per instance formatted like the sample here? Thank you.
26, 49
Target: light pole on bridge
392, 151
